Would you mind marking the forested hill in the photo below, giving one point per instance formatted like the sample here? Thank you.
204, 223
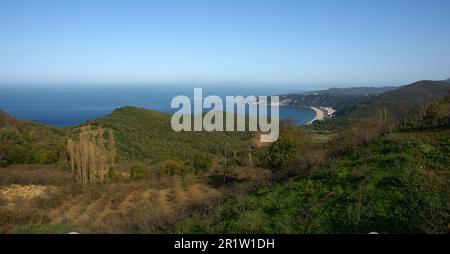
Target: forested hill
144, 134
399, 102
334, 97
23, 142
141, 134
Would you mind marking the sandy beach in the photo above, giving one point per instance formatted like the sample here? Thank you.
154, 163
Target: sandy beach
319, 115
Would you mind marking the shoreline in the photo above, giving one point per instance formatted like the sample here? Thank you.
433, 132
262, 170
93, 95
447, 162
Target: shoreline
320, 115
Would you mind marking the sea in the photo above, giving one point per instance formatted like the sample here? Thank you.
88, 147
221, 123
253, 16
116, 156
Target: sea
70, 105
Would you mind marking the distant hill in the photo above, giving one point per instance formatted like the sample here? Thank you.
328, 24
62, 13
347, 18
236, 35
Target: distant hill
400, 101
447, 80
365, 91
147, 135
334, 97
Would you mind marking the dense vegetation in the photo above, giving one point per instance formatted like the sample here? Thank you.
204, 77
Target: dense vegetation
27, 143
147, 135
406, 105
337, 98
403, 102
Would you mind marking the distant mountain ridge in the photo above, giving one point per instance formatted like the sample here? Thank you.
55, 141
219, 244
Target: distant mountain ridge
334, 97
354, 90
400, 101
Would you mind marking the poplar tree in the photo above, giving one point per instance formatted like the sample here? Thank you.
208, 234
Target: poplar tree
90, 156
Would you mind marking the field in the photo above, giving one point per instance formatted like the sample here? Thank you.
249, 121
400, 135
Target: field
47, 200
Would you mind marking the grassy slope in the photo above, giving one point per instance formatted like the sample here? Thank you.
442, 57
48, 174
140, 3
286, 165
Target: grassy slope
143, 134
399, 184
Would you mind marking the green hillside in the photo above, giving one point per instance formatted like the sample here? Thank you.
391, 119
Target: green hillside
24, 142
144, 134
399, 102
398, 184
334, 97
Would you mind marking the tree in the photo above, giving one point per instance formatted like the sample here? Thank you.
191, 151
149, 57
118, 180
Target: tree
202, 162
18, 154
45, 156
436, 114
137, 172
173, 167
284, 149
90, 157
281, 152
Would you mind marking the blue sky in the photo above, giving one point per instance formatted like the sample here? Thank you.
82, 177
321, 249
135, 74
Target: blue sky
319, 43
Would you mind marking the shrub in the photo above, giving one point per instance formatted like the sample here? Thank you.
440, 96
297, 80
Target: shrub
173, 167
12, 135
137, 172
18, 154
45, 156
112, 176
202, 162
280, 153
3, 163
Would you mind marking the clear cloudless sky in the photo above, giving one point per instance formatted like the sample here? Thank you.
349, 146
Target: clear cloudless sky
360, 42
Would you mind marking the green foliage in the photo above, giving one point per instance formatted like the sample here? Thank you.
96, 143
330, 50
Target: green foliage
9, 134
398, 184
401, 104
18, 154
436, 114
174, 167
112, 176
283, 150
337, 98
280, 153
147, 135
45, 156
202, 162
24, 142
137, 172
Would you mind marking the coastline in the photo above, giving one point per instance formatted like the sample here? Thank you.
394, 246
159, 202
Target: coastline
320, 115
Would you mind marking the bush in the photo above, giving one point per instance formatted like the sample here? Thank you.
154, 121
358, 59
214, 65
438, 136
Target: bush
137, 172
11, 135
202, 162
45, 156
112, 176
280, 153
283, 151
173, 167
18, 154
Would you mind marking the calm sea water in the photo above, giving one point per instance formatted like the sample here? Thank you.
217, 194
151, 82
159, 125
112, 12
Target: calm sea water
72, 105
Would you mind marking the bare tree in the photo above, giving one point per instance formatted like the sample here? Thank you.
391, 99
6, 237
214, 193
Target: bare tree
90, 156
